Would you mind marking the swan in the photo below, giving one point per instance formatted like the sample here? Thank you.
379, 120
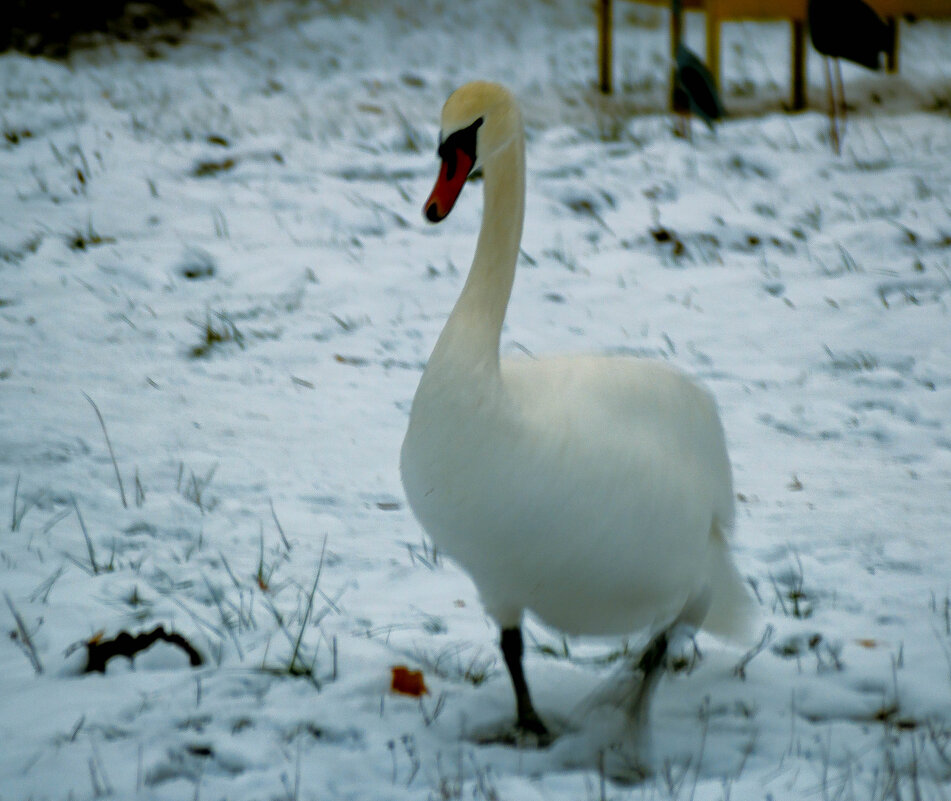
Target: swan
594, 491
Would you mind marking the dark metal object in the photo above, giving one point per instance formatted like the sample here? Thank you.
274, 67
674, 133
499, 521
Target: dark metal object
848, 29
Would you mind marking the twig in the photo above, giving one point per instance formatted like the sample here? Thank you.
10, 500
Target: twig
25, 639
740, 668
112, 454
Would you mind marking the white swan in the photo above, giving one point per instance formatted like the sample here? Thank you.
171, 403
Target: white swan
594, 491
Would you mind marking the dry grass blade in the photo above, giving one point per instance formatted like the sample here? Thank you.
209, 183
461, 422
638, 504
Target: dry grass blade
26, 641
112, 454
16, 490
89, 546
280, 528
225, 619
19, 510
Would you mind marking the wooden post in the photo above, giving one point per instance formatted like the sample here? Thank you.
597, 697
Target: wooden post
676, 35
676, 32
798, 55
605, 20
713, 42
891, 55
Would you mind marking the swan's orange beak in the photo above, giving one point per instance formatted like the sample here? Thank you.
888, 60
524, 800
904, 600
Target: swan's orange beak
452, 177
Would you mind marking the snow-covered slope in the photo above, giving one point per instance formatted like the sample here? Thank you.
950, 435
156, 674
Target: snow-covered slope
222, 247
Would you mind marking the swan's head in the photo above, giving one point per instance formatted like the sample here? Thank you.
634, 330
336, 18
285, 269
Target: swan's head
478, 120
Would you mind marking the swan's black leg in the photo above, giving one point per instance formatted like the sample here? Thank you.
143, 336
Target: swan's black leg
528, 720
654, 654
651, 665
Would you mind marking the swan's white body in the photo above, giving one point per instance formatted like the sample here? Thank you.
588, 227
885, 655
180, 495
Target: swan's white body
594, 491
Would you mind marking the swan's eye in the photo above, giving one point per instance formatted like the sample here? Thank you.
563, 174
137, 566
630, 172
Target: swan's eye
464, 140
448, 154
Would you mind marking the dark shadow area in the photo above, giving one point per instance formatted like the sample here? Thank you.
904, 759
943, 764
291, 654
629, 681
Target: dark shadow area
53, 28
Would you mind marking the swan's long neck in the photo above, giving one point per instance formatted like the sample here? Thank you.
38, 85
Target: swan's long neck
474, 328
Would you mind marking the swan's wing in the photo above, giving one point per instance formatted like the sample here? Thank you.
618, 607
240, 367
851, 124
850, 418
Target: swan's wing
629, 455
637, 412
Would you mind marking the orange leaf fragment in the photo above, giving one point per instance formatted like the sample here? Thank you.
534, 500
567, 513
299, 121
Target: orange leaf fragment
868, 643
408, 682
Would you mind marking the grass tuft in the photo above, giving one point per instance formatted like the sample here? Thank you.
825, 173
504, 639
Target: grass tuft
218, 329
194, 488
296, 665
204, 169
82, 240
425, 553
452, 663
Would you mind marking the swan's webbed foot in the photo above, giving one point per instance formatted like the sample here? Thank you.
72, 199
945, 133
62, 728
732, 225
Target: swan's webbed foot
684, 654
529, 729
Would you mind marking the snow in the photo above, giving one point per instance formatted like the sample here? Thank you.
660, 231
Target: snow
264, 181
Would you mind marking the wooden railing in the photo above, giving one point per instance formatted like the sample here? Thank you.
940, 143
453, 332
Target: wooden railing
719, 11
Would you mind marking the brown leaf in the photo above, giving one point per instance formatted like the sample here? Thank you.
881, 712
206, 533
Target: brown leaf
408, 682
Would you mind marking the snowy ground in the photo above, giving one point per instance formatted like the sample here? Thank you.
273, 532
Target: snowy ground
223, 248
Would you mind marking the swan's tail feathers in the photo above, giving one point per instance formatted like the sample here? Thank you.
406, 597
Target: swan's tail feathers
732, 613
